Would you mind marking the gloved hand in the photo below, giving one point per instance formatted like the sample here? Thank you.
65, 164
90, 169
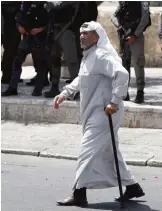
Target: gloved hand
130, 39
128, 33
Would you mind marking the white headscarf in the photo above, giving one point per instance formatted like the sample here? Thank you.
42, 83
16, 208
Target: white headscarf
103, 42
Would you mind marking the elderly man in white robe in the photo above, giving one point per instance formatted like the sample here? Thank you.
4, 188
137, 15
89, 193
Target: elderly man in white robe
102, 82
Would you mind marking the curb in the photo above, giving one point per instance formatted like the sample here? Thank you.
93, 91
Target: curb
19, 152
154, 163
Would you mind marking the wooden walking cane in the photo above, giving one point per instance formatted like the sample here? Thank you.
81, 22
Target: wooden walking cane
116, 161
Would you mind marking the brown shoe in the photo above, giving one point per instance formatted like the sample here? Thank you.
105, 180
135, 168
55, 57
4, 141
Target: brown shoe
77, 199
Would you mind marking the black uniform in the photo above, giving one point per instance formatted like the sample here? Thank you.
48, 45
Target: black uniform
11, 37
32, 15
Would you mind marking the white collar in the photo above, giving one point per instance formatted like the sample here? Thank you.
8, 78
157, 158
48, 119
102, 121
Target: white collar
90, 50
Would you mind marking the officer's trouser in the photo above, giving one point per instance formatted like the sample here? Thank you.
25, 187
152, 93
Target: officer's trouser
136, 51
11, 40
26, 47
36, 61
64, 44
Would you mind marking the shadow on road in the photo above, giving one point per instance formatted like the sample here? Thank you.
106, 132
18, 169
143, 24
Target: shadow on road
115, 206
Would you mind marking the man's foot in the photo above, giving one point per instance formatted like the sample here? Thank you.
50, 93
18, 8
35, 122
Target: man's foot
68, 81
140, 97
77, 199
127, 97
70, 201
37, 92
9, 92
132, 191
32, 82
51, 93
21, 81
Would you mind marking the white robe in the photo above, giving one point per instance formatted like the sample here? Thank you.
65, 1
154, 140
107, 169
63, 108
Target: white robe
101, 80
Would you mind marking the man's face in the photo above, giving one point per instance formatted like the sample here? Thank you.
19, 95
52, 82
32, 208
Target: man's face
88, 39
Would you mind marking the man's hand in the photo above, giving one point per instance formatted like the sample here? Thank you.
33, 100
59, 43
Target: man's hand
131, 39
22, 30
36, 31
111, 108
58, 100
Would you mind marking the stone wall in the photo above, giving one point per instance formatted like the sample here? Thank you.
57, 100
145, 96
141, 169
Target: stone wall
153, 52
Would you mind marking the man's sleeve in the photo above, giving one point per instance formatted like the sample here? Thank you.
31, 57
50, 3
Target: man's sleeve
144, 18
112, 68
71, 88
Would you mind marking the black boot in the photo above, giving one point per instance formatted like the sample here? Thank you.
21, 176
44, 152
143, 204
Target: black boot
33, 81
10, 92
140, 97
127, 97
132, 191
37, 92
68, 81
52, 92
78, 198
21, 81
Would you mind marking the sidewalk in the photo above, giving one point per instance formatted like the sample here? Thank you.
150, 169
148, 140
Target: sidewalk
140, 147
25, 108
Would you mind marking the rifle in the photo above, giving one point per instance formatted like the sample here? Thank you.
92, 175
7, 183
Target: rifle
124, 51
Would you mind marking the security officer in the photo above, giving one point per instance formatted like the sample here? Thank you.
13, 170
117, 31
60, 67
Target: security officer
11, 38
32, 22
133, 18
62, 15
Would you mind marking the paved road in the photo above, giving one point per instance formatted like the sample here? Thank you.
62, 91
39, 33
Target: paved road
34, 184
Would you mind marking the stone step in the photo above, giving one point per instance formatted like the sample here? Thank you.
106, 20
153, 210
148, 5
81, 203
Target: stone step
41, 111
25, 108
